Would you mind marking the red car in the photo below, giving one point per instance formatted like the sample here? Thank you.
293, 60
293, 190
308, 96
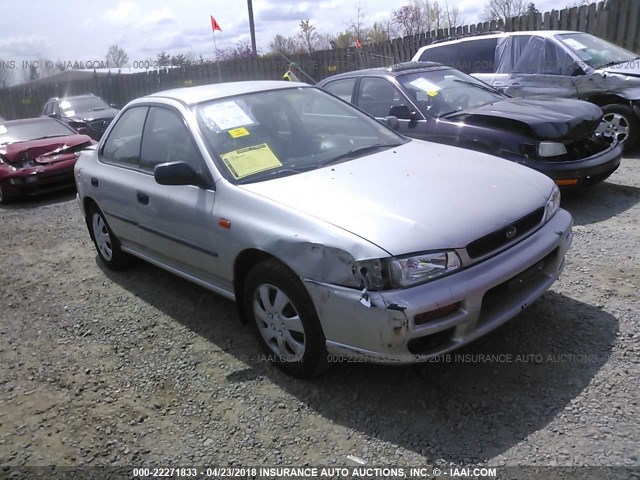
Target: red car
37, 155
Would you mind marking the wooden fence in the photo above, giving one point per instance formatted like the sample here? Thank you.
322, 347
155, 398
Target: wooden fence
615, 20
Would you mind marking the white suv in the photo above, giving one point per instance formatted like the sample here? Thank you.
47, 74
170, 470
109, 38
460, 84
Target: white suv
556, 64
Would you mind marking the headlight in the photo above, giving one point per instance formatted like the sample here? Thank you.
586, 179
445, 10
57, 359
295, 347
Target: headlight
553, 204
408, 271
551, 149
403, 272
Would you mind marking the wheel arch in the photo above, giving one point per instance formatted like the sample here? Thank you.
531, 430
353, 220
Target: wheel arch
244, 262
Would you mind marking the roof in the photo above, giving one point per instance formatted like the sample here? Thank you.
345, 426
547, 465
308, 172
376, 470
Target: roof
391, 70
193, 95
538, 33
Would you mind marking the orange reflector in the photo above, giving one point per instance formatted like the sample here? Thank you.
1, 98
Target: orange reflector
425, 317
224, 223
564, 183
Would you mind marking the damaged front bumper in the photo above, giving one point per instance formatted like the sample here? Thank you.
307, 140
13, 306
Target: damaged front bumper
486, 294
585, 172
39, 179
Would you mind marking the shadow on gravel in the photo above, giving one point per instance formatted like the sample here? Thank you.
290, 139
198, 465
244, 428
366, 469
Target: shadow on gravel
467, 407
28, 203
600, 202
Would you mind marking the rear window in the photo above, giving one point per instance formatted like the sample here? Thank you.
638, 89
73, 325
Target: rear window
475, 56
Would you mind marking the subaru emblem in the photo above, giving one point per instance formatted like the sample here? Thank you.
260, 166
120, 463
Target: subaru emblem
511, 232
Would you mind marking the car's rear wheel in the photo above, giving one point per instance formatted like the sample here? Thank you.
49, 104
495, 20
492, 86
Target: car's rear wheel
284, 319
621, 123
107, 245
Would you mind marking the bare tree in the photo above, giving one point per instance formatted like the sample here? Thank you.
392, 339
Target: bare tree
409, 18
308, 35
453, 17
505, 9
239, 50
434, 17
285, 45
116, 57
357, 24
377, 33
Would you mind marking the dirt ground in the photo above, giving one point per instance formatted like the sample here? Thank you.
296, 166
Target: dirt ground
143, 368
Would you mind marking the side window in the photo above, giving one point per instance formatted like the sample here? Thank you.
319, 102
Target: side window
166, 139
48, 108
123, 145
445, 54
377, 96
341, 88
476, 56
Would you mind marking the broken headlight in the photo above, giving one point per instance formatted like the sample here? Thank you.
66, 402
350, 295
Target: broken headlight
551, 149
408, 271
553, 204
403, 272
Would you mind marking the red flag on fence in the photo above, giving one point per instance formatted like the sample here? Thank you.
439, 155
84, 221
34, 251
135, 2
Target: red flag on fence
358, 43
214, 24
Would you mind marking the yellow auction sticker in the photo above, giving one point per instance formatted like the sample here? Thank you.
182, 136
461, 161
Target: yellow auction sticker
239, 132
248, 161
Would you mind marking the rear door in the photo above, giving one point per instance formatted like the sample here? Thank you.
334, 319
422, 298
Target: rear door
114, 182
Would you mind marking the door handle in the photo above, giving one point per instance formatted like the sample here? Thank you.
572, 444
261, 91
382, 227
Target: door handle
94, 181
143, 198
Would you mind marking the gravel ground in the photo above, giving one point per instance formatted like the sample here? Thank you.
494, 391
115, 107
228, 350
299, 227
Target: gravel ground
141, 367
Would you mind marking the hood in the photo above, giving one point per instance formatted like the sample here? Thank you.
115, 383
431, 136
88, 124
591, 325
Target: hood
45, 150
557, 119
630, 69
415, 197
89, 115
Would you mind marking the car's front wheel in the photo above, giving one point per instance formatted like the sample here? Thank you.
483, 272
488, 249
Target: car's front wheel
621, 123
284, 319
106, 243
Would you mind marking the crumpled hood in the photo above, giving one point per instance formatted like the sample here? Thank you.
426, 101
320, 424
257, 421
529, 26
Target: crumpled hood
87, 116
557, 119
416, 197
631, 69
46, 150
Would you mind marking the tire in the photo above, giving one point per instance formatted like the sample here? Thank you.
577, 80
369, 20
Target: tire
284, 319
620, 121
4, 198
107, 244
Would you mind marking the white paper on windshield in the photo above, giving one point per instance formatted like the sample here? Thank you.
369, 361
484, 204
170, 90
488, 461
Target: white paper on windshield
576, 45
425, 85
227, 115
3, 130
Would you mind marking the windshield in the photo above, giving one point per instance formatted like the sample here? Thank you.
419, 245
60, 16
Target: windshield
446, 91
282, 132
85, 104
22, 131
594, 51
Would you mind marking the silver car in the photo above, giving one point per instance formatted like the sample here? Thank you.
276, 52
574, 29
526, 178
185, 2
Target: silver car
336, 236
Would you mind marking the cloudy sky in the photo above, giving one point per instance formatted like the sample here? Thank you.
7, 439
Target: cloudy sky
77, 30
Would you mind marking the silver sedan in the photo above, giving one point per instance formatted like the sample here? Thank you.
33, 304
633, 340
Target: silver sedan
336, 236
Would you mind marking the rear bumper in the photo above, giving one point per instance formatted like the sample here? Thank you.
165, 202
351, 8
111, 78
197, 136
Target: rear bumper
587, 171
489, 294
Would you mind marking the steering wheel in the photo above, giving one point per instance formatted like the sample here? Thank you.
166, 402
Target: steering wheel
461, 101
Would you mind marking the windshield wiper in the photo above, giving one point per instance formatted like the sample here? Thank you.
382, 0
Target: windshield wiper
478, 85
356, 152
286, 171
98, 108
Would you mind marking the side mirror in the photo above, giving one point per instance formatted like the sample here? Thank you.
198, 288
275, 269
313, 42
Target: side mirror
177, 173
114, 105
52, 115
403, 112
391, 121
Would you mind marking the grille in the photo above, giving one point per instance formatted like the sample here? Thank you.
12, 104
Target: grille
497, 239
100, 125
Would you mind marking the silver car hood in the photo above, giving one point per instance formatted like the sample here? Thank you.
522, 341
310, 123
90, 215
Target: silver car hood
416, 197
